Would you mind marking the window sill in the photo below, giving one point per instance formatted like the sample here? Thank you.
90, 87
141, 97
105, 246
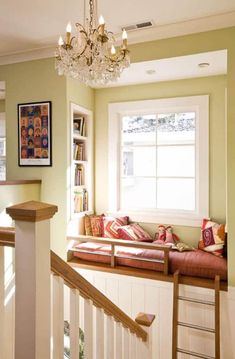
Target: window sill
160, 218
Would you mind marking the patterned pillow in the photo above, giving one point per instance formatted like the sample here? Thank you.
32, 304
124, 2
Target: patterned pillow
212, 237
134, 232
87, 225
110, 226
96, 225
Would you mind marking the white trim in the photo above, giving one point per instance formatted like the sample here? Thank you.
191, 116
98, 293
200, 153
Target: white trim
197, 104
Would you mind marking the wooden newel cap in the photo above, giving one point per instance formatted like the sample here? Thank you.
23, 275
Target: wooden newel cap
31, 211
145, 319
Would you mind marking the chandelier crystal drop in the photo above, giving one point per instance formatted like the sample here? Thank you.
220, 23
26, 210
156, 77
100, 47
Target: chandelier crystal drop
90, 55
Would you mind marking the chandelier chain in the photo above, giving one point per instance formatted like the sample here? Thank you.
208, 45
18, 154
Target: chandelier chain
91, 14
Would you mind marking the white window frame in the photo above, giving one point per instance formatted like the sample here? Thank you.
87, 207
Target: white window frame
197, 104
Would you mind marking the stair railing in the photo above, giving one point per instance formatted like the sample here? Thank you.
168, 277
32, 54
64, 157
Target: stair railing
58, 313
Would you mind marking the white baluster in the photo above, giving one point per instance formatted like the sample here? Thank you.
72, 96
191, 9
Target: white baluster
58, 318
118, 342
74, 324
140, 348
126, 342
133, 344
109, 337
99, 342
2, 295
88, 329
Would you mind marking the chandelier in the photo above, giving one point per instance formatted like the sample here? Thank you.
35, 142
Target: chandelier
90, 55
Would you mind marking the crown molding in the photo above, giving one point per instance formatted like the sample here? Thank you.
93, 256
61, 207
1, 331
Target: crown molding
203, 24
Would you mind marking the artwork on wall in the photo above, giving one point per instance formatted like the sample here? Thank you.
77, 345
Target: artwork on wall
34, 134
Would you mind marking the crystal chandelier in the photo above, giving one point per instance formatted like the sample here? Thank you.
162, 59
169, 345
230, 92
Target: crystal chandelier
90, 55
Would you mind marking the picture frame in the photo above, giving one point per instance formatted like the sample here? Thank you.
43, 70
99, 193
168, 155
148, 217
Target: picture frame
34, 134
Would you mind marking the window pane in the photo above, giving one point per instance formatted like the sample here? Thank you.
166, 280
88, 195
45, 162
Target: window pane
176, 193
138, 193
174, 128
139, 161
139, 129
176, 161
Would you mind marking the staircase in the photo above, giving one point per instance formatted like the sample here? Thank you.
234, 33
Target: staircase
48, 291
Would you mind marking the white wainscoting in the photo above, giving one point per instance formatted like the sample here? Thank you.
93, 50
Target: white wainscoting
135, 295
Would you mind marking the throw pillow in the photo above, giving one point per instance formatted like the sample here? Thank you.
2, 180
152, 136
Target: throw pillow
96, 225
212, 237
134, 232
87, 225
110, 226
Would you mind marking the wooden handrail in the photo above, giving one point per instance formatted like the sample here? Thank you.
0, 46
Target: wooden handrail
121, 243
76, 281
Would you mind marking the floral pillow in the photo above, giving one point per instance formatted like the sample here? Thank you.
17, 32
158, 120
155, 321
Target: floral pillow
212, 237
110, 226
134, 232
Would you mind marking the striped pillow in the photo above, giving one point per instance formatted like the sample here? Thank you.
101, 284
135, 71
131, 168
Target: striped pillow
110, 226
212, 237
134, 232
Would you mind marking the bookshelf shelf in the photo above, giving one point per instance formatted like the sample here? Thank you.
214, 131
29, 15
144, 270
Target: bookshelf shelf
81, 198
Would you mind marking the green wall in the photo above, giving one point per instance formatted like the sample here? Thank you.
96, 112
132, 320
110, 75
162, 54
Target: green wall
215, 87
38, 81
2, 105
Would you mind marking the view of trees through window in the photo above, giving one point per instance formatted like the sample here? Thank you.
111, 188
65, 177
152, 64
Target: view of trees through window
158, 161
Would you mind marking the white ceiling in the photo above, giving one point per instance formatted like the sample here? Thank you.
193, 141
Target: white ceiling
174, 68
27, 25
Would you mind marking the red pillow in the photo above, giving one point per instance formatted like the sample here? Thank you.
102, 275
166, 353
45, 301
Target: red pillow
134, 232
110, 226
96, 225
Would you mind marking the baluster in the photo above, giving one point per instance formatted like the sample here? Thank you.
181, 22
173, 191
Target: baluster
99, 342
126, 342
119, 342
74, 324
88, 329
58, 318
133, 343
109, 337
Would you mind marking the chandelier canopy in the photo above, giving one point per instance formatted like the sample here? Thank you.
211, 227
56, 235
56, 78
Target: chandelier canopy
90, 55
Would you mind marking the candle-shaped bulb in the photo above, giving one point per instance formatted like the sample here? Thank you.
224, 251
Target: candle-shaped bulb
101, 20
113, 50
124, 35
69, 27
61, 41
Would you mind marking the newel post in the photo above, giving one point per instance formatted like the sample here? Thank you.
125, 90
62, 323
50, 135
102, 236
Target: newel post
32, 267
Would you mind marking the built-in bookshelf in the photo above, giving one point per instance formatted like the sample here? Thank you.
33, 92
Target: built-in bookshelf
81, 161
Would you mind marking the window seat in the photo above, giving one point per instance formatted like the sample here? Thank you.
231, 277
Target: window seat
147, 258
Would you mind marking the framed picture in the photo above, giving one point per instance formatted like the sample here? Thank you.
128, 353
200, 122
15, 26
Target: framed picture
34, 134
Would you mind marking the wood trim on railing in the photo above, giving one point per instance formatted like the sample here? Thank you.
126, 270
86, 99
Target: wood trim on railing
76, 281
121, 243
16, 182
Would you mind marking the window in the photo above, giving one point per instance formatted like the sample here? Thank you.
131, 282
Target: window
158, 160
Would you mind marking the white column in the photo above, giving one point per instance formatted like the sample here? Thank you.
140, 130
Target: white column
118, 341
99, 340
126, 342
32, 266
109, 337
88, 329
58, 318
74, 324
